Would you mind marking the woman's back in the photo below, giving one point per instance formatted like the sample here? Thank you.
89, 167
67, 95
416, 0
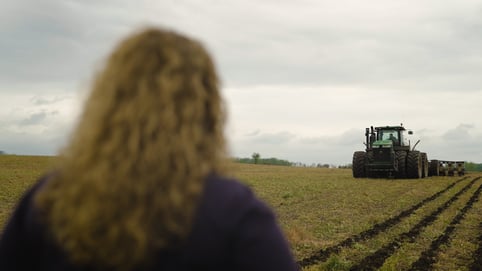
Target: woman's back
139, 184
232, 230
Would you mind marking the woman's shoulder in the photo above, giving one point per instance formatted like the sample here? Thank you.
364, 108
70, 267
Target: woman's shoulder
25, 214
26, 201
228, 190
226, 187
240, 227
228, 201
23, 233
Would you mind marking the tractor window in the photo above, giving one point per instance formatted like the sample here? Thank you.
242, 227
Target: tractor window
390, 135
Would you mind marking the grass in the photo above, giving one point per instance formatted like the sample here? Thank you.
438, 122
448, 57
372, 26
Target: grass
463, 240
318, 208
17, 174
328, 205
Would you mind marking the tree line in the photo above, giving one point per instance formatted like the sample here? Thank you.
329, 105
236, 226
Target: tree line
263, 161
469, 166
257, 159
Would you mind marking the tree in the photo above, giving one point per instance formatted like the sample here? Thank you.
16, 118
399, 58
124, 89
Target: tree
256, 157
470, 166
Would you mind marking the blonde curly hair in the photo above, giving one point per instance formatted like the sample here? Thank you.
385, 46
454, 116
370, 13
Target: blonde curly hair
130, 178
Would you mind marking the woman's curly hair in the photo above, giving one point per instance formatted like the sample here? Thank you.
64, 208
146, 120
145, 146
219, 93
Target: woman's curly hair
130, 178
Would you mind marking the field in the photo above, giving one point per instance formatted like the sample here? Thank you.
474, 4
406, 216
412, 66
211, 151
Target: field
17, 173
335, 222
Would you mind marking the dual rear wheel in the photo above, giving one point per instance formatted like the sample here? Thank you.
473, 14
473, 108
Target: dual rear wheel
417, 165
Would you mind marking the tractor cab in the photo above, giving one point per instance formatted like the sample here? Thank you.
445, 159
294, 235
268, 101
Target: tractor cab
391, 135
387, 137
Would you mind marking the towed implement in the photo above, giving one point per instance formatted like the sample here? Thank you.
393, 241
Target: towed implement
446, 168
389, 153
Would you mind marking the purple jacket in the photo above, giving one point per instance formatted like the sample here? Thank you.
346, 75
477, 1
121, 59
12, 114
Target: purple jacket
233, 230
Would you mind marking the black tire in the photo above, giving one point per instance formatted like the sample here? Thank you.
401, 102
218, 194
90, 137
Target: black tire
369, 159
414, 165
401, 157
451, 169
443, 171
424, 165
358, 165
434, 168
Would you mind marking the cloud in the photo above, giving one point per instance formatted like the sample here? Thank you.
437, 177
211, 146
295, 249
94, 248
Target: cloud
42, 46
253, 133
21, 143
272, 138
39, 118
36, 124
411, 44
335, 148
41, 100
463, 142
462, 131
349, 137
416, 45
302, 79
34, 119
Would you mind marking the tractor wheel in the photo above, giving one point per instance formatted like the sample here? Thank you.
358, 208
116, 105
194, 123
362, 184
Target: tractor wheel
451, 170
443, 171
414, 165
401, 157
424, 165
369, 159
434, 168
358, 166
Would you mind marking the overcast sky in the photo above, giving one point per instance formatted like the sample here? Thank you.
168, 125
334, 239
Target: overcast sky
302, 79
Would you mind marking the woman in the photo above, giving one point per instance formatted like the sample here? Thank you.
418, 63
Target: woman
140, 185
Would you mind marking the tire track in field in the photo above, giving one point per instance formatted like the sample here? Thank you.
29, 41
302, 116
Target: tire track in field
324, 254
376, 259
427, 258
477, 256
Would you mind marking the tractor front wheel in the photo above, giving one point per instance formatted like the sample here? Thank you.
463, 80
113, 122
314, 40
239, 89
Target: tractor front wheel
358, 165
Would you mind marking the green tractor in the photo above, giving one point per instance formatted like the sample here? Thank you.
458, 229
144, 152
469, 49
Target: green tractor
389, 154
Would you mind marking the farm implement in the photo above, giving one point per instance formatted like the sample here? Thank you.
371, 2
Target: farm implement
389, 153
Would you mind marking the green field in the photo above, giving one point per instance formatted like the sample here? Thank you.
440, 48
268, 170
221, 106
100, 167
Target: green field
17, 173
336, 222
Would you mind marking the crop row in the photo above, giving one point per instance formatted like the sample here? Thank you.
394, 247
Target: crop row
426, 258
